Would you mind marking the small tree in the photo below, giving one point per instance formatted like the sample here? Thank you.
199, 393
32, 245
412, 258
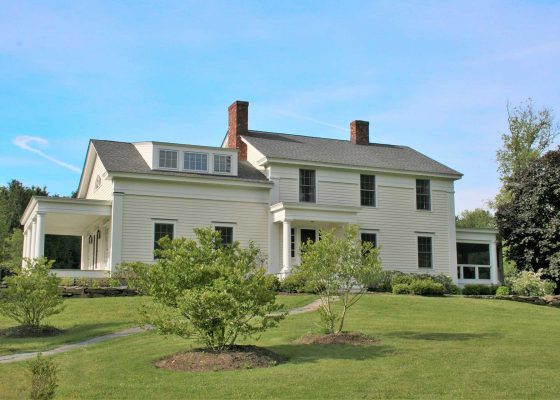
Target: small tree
214, 292
32, 294
43, 378
477, 218
339, 266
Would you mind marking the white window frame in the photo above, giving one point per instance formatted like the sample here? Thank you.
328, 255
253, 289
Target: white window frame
196, 152
425, 234
316, 185
233, 225
159, 150
161, 221
476, 266
431, 195
377, 236
214, 163
376, 190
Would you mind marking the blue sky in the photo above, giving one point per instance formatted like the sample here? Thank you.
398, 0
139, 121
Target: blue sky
435, 76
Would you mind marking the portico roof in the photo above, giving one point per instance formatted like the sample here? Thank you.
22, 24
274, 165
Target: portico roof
65, 216
314, 212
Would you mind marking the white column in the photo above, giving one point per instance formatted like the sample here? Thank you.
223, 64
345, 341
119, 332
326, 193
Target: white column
40, 236
286, 244
33, 237
26, 246
494, 262
116, 229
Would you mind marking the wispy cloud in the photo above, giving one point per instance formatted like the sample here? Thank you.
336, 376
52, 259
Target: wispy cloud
27, 142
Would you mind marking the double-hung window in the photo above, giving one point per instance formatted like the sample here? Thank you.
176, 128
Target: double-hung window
425, 252
423, 200
307, 185
162, 230
226, 232
369, 238
367, 190
195, 161
222, 163
168, 159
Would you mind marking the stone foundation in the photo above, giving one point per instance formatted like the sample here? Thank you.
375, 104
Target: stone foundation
83, 291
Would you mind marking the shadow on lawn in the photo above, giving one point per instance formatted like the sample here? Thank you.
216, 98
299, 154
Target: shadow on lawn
309, 353
444, 336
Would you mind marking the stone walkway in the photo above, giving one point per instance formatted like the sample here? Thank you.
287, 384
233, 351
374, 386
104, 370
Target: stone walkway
127, 332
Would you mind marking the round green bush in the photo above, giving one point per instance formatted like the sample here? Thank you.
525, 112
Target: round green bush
426, 288
502, 291
401, 288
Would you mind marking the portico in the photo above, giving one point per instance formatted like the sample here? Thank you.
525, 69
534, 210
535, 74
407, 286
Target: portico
298, 222
89, 219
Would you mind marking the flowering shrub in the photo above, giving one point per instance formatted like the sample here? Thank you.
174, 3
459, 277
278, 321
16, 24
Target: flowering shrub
530, 283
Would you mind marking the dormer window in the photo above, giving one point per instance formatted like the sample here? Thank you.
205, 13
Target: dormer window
168, 159
196, 161
222, 163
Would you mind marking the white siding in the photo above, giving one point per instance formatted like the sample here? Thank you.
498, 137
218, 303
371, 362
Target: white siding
395, 218
254, 156
190, 206
146, 150
103, 192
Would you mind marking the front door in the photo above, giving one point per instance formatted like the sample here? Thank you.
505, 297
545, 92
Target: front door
308, 234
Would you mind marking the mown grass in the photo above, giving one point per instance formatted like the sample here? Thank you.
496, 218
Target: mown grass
86, 318
429, 348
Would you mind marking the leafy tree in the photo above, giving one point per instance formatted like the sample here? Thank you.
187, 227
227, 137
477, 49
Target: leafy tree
32, 294
339, 266
530, 134
477, 218
530, 222
11, 250
214, 292
13, 200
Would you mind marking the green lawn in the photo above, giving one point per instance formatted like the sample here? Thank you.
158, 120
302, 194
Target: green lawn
429, 348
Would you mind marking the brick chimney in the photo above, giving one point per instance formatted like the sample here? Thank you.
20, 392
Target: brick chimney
359, 132
238, 124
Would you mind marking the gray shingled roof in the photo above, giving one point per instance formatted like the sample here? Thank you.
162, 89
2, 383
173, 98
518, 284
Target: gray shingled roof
333, 151
123, 157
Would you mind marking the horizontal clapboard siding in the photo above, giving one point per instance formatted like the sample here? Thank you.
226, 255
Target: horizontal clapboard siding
250, 221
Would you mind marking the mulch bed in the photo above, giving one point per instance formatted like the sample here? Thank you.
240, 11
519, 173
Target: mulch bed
28, 331
238, 357
341, 338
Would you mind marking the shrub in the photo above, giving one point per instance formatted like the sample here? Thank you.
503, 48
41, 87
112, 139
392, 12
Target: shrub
294, 283
502, 291
401, 288
216, 293
425, 287
382, 282
66, 282
43, 378
133, 274
32, 294
475, 290
530, 283
402, 279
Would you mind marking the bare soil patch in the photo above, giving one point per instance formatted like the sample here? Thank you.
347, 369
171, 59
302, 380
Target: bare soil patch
341, 338
238, 357
30, 331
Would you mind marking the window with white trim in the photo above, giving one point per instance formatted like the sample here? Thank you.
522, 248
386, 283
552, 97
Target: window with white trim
222, 163
423, 198
307, 185
161, 230
367, 190
425, 252
168, 159
195, 161
226, 233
